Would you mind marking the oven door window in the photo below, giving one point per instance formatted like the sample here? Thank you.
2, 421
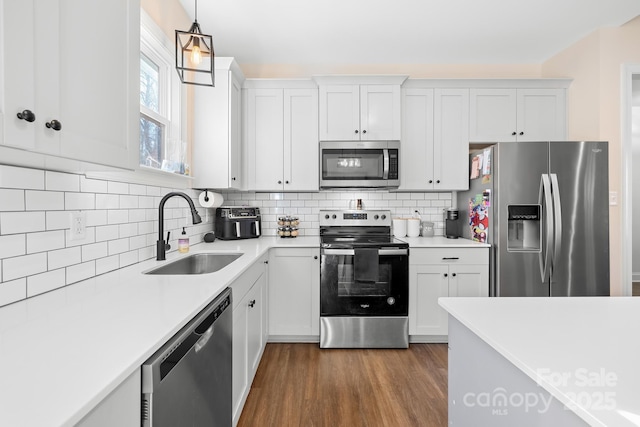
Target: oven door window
342, 295
352, 164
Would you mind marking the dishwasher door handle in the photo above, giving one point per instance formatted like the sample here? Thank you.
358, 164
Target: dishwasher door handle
204, 339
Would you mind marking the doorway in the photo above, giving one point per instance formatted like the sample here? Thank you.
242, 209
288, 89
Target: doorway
631, 174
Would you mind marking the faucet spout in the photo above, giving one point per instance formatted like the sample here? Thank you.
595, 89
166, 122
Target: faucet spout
161, 245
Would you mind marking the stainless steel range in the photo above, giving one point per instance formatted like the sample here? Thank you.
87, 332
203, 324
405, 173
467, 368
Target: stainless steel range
364, 281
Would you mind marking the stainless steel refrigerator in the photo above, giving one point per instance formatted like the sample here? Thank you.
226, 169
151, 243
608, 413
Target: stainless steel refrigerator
543, 206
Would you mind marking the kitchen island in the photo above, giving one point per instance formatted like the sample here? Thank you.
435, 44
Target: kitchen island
544, 361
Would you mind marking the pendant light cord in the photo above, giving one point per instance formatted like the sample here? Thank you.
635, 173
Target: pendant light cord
196, 12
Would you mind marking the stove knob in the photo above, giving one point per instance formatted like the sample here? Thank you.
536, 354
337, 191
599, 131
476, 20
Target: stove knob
334, 216
383, 217
375, 217
326, 216
391, 300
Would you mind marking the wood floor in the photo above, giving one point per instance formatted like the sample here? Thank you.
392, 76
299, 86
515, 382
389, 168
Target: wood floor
302, 385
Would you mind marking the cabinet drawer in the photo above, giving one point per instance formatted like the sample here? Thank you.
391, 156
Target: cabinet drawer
449, 256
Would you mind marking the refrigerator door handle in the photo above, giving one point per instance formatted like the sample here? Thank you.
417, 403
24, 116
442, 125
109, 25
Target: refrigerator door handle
544, 199
557, 217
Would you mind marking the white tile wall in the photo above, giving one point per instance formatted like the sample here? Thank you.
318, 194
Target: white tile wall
306, 206
37, 253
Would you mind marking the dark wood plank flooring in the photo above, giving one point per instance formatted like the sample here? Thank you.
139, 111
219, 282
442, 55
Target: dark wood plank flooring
302, 385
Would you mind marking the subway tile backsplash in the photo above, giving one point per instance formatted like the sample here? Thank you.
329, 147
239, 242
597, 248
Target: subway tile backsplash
306, 206
38, 253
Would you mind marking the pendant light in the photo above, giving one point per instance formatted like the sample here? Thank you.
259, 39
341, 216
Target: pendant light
194, 55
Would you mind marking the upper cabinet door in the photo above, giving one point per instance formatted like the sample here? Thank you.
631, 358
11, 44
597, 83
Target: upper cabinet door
492, 115
235, 133
416, 150
265, 135
541, 115
27, 90
75, 65
380, 112
339, 112
301, 163
451, 139
99, 81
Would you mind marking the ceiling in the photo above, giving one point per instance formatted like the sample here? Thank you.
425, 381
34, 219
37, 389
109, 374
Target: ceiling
403, 31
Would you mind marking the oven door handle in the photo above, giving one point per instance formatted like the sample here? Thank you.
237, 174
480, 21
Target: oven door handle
381, 252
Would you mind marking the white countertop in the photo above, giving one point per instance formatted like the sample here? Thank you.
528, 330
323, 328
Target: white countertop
63, 352
594, 337
442, 242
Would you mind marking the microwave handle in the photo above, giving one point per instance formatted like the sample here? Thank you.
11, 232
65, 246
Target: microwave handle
257, 228
385, 164
237, 228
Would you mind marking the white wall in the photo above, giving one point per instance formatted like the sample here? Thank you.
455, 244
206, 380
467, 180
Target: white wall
36, 252
635, 139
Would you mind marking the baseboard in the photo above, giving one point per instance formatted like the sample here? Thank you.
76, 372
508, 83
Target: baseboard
294, 338
428, 339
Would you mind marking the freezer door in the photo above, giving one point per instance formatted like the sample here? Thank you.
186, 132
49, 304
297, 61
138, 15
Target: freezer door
517, 169
580, 263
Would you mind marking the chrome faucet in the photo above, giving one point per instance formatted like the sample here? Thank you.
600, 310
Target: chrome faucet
161, 245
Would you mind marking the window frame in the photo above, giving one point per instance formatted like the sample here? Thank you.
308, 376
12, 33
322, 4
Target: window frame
158, 48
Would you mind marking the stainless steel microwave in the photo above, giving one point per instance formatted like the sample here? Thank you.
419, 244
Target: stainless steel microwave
359, 164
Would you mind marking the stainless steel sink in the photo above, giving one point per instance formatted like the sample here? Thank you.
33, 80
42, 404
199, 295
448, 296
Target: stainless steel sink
197, 264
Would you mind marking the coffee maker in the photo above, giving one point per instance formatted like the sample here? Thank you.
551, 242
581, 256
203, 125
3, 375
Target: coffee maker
451, 224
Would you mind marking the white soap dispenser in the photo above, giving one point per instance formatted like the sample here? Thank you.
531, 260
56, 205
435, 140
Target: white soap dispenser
183, 242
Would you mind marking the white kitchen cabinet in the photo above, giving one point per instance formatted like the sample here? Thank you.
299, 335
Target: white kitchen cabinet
120, 408
502, 114
435, 143
217, 129
75, 65
282, 137
439, 272
294, 294
360, 112
249, 331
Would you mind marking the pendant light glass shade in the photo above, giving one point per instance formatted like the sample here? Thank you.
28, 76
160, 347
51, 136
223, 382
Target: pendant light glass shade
195, 56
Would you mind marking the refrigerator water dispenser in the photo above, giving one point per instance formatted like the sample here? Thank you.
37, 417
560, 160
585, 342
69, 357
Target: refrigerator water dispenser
525, 228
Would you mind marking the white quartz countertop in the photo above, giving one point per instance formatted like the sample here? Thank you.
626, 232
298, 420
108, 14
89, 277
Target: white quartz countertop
576, 348
442, 242
62, 352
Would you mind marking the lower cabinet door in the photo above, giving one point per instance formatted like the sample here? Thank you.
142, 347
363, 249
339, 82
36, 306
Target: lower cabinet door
469, 281
294, 292
426, 284
256, 305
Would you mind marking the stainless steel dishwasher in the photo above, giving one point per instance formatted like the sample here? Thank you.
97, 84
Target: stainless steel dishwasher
187, 382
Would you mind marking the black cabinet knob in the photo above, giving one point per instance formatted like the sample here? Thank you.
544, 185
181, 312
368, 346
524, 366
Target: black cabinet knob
453, 274
364, 131
438, 181
252, 303
54, 124
279, 182
430, 181
446, 275
521, 133
27, 115
315, 257
356, 130
513, 133
233, 179
286, 182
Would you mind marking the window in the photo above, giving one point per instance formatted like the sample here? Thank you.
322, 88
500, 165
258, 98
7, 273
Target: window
162, 145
